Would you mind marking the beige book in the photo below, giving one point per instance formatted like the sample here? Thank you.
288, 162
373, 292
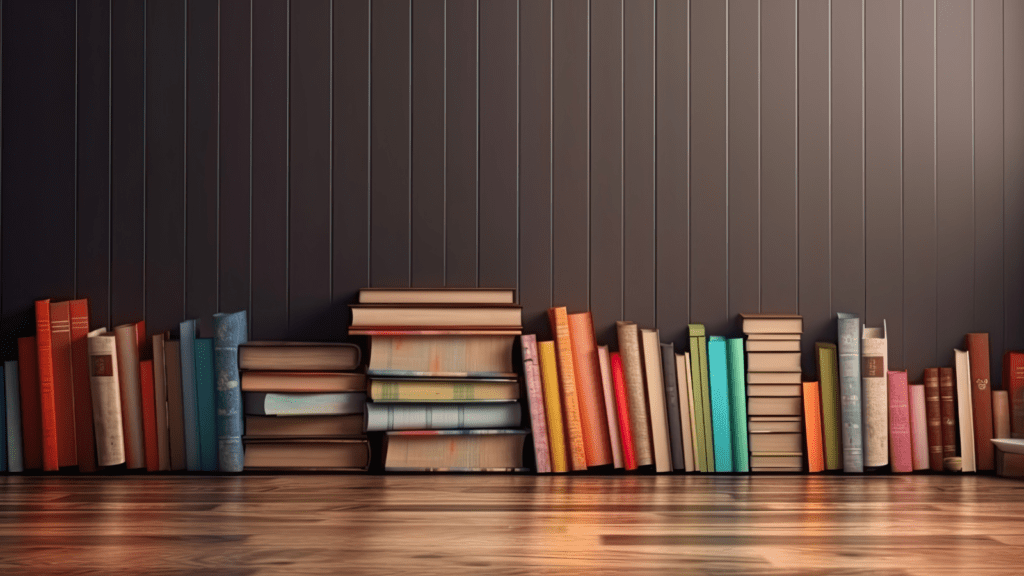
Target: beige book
773, 345
106, 398
968, 462
440, 355
776, 442
313, 382
685, 404
772, 336
770, 426
656, 401
604, 360
693, 418
437, 296
131, 394
773, 390
773, 323
773, 362
632, 368
875, 400
783, 406
413, 316
778, 460
773, 377
160, 398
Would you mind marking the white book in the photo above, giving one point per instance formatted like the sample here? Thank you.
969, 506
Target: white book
603, 359
106, 398
874, 354
966, 410
693, 421
656, 400
683, 376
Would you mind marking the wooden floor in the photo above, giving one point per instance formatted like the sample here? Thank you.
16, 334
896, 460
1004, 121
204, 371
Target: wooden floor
501, 524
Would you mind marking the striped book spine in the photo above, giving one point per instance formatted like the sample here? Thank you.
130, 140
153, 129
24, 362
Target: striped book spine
632, 370
567, 380
48, 406
828, 378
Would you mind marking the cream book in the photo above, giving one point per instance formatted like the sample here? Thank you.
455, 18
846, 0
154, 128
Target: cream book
966, 410
106, 398
773, 362
685, 404
656, 401
874, 354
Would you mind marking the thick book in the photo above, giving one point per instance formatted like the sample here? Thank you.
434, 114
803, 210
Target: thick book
774, 377
15, 458
481, 356
128, 380
189, 407
349, 425
287, 404
812, 423
1013, 382
229, 332
687, 360
773, 345
437, 315
535, 398
780, 406
384, 417
933, 407
772, 323
701, 398
454, 451
46, 392
31, 411
275, 381
175, 408
206, 404
326, 454
874, 395
737, 404
610, 409
850, 392
105, 388
901, 450
918, 426
553, 406
300, 356
775, 390
1000, 414
567, 384
981, 399
632, 368
793, 443
685, 410
589, 389
773, 361
423, 389
792, 426
965, 410
622, 410
85, 449
947, 406
148, 399
656, 400
160, 402
63, 383
437, 296
721, 413
675, 427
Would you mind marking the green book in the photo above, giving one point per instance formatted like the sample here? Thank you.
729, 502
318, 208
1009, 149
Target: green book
738, 404
828, 379
701, 397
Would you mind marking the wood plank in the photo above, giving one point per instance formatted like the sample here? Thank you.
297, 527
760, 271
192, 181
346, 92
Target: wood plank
1013, 172
606, 170
919, 231
673, 172
462, 200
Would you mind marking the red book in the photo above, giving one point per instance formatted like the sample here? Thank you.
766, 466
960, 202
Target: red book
84, 434
149, 415
47, 403
145, 345
63, 385
981, 400
31, 423
1013, 382
901, 450
622, 408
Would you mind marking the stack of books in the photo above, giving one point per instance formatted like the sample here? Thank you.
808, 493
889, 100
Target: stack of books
304, 405
774, 392
444, 392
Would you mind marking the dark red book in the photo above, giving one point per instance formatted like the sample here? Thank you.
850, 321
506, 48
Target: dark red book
149, 415
63, 385
47, 403
948, 410
981, 398
1013, 383
31, 423
145, 344
934, 410
84, 432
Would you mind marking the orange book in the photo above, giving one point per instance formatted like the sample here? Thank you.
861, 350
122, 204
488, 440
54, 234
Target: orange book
63, 385
589, 390
149, 415
567, 380
47, 403
31, 426
812, 420
84, 434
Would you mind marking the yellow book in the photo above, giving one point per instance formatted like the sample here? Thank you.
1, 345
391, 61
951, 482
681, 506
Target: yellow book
553, 406
442, 391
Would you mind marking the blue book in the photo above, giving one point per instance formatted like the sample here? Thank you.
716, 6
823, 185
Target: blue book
15, 462
229, 331
3, 425
738, 404
721, 415
189, 410
206, 404
849, 391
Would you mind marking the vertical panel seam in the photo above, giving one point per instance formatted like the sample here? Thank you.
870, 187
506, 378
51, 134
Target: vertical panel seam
796, 143
184, 173
551, 151
518, 150
654, 157
145, 149
288, 163
935, 161
476, 212
622, 160
903, 204
330, 156
110, 170
74, 281
369, 141
974, 191
216, 78
250, 323
830, 259
444, 156
760, 142
863, 157
726, 151
587, 140
408, 164
689, 172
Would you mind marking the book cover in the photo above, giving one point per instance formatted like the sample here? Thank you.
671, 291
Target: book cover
437, 296
772, 323
567, 383
604, 359
63, 384
812, 423
175, 408
965, 410
850, 391
675, 427
553, 406
701, 405
206, 404
85, 448
160, 401
622, 409
981, 399
31, 409
737, 404
947, 407
105, 387
436, 315
46, 391
589, 391
128, 380
918, 426
15, 459
307, 454
901, 452
721, 414
147, 397
535, 397
656, 400
334, 356
1013, 382
229, 332
189, 408
874, 395
632, 368
385, 417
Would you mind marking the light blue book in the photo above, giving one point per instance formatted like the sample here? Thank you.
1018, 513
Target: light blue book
15, 462
3, 424
229, 330
206, 404
721, 415
189, 410
849, 390
738, 404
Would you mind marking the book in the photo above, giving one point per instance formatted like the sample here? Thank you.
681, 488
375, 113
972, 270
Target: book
675, 427
758, 425
772, 336
229, 332
981, 399
812, 420
105, 388
160, 402
437, 315
780, 442
63, 383
610, 409
189, 406
553, 406
85, 441
777, 462
773, 377
46, 391
535, 397
773, 345
632, 369
737, 404
622, 410
965, 410
454, 451
874, 395
901, 450
589, 390
479, 356
147, 399
288, 404
721, 414
437, 296
775, 406
685, 410
919, 427
772, 323
1000, 414
348, 425
206, 405
131, 403
1013, 382
272, 381
31, 409
774, 390
423, 390
307, 454
656, 400
932, 398
773, 361
304, 356
384, 417
175, 406
947, 405
567, 385
701, 396
15, 458
850, 391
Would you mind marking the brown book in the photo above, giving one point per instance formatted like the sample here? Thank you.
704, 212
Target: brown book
128, 380
175, 406
633, 371
1000, 414
934, 409
31, 414
298, 356
320, 382
782, 406
312, 454
47, 402
589, 390
981, 399
947, 407
160, 402
567, 384
303, 426
63, 385
84, 432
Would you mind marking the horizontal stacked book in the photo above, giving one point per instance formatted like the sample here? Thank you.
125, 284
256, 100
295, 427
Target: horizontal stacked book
441, 383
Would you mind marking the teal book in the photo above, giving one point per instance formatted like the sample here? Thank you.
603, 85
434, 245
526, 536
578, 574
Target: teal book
849, 391
229, 330
738, 404
701, 403
721, 415
206, 404
188, 394
15, 460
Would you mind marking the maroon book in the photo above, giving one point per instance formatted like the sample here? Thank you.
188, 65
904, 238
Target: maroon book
84, 434
934, 411
947, 404
31, 414
981, 397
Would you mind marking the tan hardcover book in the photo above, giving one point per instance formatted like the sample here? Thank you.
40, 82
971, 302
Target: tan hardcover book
773, 336
772, 323
787, 406
776, 442
773, 362
160, 402
106, 398
129, 380
685, 409
454, 450
175, 407
968, 461
1000, 414
318, 454
567, 384
778, 460
589, 389
773, 378
604, 359
304, 426
437, 296
436, 316
774, 390
632, 368
456, 356
656, 400
770, 426
313, 382
462, 390
773, 345
269, 355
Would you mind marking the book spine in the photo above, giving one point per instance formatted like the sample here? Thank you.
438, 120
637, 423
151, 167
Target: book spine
15, 459
981, 400
146, 396
705, 398
128, 379
86, 441
387, 417
206, 404
1013, 382
587, 371
936, 426
686, 411
656, 401
721, 417
1000, 414
900, 449
567, 380
160, 402
31, 409
553, 406
738, 404
968, 457
874, 395
175, 414
828, 376
632, 367
947, 407
48, 406
812, 427
918, 426
622, 408
534, 395
849, 383
106, 399
189, 399
675, 428
229, 332
697, 396
63, 385
609, 406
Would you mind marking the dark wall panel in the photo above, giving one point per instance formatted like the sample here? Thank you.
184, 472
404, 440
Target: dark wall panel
1013, 173
462, 152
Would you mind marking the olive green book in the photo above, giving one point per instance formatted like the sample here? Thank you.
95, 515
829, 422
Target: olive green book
828, 376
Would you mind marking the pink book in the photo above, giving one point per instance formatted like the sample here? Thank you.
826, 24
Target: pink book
900, 446
531, 370
919, 427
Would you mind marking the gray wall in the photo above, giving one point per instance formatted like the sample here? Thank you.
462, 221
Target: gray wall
663, 161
